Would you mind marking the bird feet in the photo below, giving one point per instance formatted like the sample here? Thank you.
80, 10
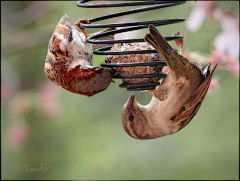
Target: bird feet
83, 29
179, 42
160, 95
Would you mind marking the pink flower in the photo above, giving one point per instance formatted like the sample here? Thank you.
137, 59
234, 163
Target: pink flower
49, 92
51, 109
217, 56
230, 63
198, 14
48, 100
19, 104
187, 55
17, 135
232, 66
214, 85
208, 6
228, 40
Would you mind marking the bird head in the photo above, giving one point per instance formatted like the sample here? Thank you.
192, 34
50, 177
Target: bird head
134, 119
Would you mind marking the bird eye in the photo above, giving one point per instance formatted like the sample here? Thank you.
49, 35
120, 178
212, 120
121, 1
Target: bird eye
131, 118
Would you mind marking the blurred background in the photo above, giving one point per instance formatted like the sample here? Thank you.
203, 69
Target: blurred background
70, 136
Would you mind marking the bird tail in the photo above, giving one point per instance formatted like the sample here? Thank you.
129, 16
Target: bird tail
178, 64
156, 39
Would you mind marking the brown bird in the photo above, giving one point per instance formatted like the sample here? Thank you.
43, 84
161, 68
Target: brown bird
175, 101
69, 62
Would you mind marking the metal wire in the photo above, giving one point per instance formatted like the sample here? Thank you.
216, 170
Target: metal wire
130, 26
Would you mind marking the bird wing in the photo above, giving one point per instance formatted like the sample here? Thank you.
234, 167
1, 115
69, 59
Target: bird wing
190, 108
178, 64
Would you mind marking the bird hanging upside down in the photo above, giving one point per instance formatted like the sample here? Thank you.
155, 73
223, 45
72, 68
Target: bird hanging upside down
175, 101
69, 62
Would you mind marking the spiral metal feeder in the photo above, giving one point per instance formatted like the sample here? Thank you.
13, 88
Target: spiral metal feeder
129, 26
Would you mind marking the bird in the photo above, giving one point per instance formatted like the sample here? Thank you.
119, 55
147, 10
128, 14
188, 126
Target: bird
175, 101
69, 61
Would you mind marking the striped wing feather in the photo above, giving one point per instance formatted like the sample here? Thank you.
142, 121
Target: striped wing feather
192, 105
190, 108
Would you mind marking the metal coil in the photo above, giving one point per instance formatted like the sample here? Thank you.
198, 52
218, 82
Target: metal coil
130, 26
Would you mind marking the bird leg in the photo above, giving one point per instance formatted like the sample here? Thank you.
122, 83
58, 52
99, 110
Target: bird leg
83, 29
179, 43
159, 95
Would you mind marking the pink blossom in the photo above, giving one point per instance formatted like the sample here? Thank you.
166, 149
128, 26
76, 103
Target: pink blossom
208, 6
48, 100
230, 60
228, 40
214, 85
17, 135
51, 109
233, 67
230, 63
198, 14
19, 104
217, 56
187, 55
49, 92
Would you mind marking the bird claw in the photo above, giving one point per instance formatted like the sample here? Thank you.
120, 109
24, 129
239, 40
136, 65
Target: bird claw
179, 42
83, 29
159, 95
146, 91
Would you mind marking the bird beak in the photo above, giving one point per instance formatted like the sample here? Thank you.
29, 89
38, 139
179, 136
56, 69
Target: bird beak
132, 102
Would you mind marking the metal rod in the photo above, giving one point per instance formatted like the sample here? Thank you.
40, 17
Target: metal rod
126, 27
